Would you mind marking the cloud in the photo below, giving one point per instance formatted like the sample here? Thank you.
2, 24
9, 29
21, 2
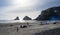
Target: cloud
26, 5
32, 8
21, 15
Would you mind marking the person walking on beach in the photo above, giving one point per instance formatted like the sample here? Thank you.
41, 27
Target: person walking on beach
17, 29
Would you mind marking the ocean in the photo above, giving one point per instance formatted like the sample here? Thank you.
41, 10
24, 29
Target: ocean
29, 21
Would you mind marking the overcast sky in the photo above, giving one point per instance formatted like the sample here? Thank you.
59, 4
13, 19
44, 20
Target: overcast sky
9, 9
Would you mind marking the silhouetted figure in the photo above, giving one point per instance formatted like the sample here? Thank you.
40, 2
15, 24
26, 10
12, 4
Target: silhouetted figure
41, 23
27, 23
46, 23
17, 29
17, 18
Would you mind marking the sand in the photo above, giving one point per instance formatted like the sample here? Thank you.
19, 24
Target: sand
34, 29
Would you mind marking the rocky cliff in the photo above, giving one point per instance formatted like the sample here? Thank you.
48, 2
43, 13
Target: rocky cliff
52, 13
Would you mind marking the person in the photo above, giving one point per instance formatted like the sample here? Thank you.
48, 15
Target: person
27, 23
41, 22
17, 29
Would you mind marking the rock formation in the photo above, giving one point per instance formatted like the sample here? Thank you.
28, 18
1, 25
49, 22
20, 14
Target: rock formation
50, 14
27, 18
17, 18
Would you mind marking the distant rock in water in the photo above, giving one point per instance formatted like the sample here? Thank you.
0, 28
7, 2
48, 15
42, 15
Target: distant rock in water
50, 14
17, 18
27, 18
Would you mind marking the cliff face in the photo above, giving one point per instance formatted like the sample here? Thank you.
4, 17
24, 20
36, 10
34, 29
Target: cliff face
27, 18
50, 14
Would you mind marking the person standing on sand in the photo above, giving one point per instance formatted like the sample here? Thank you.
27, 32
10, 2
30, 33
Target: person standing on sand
17, 29
41, 22
27, 23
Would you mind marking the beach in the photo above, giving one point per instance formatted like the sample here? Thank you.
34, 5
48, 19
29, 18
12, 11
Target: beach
33, 29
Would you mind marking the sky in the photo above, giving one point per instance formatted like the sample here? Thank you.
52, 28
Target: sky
9, 9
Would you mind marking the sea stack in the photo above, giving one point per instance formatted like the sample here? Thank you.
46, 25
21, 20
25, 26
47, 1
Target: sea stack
17, 18
27, 18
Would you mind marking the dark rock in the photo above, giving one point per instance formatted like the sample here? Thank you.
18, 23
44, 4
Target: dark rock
54, 23
17, 18
11, 25
23, 26
50, 14
27, 18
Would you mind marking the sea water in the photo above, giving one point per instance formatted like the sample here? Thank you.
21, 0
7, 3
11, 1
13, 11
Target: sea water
8, 21
29, 21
